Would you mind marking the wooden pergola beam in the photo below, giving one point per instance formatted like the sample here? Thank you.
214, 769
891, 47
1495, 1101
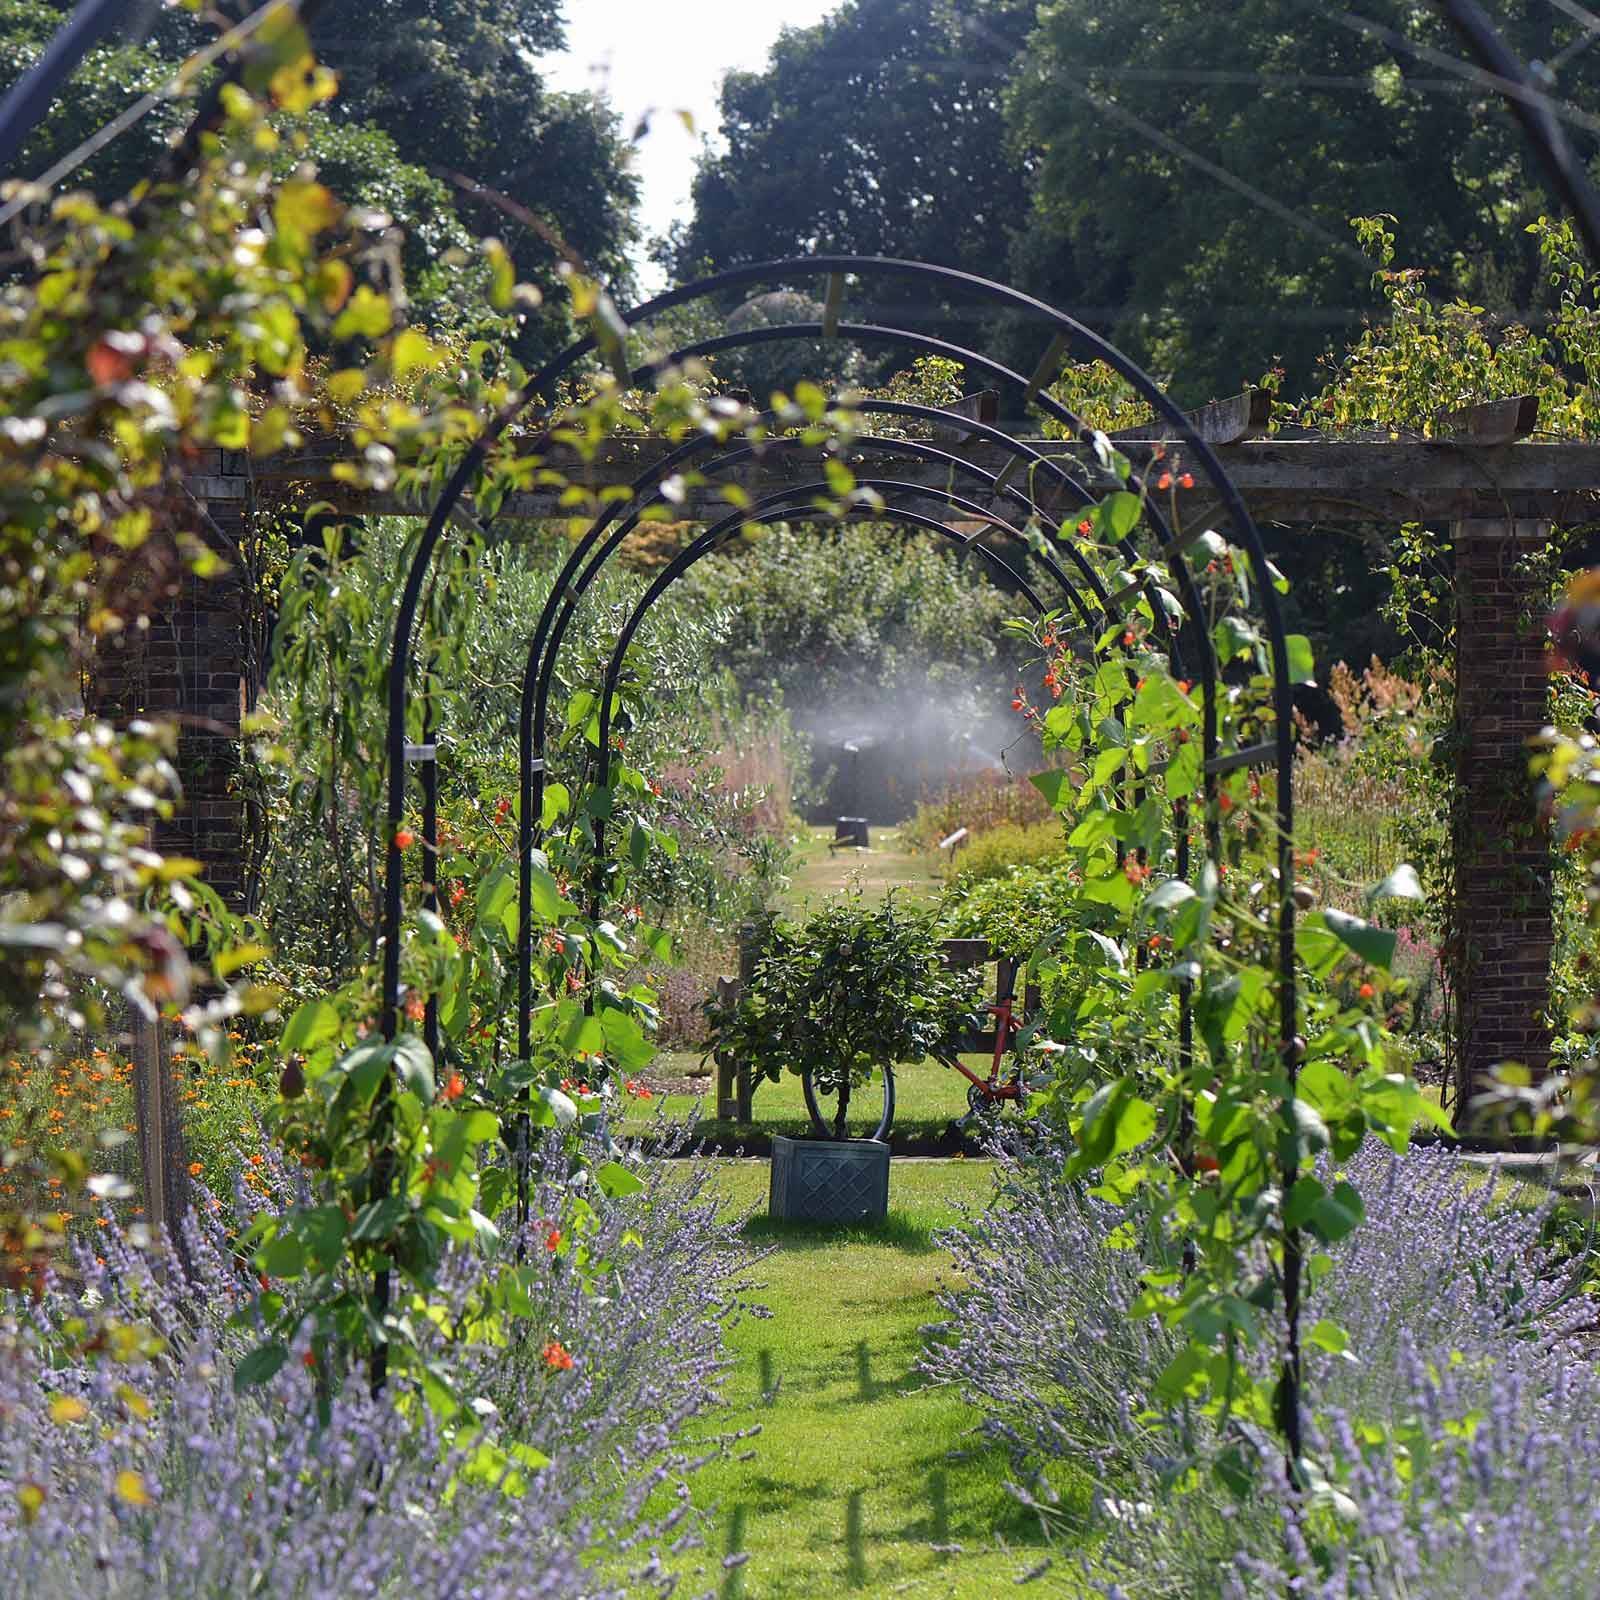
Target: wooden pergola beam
1293, 480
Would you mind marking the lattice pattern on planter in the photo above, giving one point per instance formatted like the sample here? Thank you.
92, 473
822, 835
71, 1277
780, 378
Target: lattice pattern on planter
820, 1180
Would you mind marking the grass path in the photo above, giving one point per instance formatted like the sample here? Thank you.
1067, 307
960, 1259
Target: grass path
862, 1479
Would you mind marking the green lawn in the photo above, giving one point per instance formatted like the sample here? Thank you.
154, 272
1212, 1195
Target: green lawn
927, 1098
859, 1471
887, 865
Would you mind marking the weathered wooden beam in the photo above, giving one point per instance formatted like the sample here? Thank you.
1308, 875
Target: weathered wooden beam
1296, 480
1220, 422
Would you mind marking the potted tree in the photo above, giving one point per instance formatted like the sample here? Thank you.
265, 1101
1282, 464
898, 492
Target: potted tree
838, 1000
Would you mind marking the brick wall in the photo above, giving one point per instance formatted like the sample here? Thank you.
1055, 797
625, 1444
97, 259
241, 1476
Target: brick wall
1504, 932
189, 664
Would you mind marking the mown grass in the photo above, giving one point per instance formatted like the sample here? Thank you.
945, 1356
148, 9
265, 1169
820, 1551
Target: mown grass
862, 1480
928, 1098
889, 865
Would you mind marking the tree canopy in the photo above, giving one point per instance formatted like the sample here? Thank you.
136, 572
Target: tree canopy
1180, 175
429, 89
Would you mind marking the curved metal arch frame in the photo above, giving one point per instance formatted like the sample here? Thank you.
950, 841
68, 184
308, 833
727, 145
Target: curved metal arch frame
1066, 334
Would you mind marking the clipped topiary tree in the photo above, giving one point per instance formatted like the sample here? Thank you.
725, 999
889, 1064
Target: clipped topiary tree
844, 996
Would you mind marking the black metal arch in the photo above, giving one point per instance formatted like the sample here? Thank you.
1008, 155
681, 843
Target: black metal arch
1065, 335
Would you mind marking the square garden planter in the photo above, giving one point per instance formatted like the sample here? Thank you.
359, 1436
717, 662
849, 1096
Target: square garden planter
829, 1180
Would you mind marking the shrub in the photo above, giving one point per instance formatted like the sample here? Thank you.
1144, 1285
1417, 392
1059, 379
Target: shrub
998, 851
138, 1465
853, 990
1460, 1435
977, 801
1016, 912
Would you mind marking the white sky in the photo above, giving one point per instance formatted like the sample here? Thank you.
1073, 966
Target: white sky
668, 56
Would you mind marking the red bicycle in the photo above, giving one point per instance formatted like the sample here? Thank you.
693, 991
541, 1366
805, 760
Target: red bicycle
983, 1094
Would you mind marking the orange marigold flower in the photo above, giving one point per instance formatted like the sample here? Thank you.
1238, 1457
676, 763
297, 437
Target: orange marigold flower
195, 1169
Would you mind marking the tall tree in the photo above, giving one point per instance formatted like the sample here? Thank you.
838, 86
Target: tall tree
456, 86
427, 88
1199, 164
878, 131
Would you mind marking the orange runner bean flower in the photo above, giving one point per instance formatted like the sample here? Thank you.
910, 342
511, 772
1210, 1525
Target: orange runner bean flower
556, 1356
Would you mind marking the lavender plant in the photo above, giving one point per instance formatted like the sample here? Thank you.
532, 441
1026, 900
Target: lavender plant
131, 1465
1456, 1441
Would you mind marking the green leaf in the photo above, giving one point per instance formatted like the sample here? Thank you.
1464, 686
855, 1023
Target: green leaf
1169, 895
313, 1024
557, 1108
262, 1364
557, 803
1374, 945
1119, 514
1328, 1336
1056, 787
1401, 884
378, 1219
415, 1063
548, 905
1302, 664
1339, 1214
616, 1181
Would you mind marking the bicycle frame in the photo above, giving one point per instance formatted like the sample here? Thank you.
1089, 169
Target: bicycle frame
1007, 1026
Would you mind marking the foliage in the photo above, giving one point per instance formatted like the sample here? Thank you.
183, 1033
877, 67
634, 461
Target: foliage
856, 137
1252, 135
994, 852
1017, 911
136, 341
325, 704
1467, 1358
976, 800
852, 990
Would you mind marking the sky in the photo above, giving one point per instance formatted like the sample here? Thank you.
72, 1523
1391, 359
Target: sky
662, 57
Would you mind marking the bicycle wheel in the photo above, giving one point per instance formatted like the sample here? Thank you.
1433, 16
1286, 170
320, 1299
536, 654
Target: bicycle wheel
867, 1111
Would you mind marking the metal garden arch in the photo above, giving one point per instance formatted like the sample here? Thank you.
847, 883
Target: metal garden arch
903, 503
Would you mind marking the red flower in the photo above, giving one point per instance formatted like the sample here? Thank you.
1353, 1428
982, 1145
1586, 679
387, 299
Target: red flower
416, 1007
556, 1356
1127, 637
502, 809
309, 1359
1186, 481
458, 893
1164, 481
454, 1088
552, 1240
1366, 991
404, 838
1085, 528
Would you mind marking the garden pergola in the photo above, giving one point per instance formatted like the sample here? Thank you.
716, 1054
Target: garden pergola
1495, 494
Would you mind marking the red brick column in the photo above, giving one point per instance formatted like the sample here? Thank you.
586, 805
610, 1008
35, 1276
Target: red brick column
1498, 958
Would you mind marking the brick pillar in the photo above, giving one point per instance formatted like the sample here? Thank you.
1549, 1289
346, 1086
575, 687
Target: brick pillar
1499, 966
188, 663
